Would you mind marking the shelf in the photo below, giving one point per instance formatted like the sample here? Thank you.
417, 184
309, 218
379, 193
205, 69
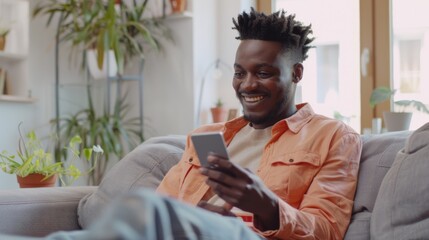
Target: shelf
125, 78
100, 81
11, 57
18, 99
178, 16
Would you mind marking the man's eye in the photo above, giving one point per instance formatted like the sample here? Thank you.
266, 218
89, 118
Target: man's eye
264, 74
238, 75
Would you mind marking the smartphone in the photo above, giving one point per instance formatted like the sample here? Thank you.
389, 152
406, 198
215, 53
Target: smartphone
209, 142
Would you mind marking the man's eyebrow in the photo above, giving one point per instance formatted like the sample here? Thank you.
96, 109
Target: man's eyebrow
264, 65
258, 65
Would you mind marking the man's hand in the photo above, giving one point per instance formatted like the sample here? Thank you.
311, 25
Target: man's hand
241, 188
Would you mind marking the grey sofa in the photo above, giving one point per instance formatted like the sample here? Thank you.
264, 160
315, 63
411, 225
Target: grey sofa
38, 212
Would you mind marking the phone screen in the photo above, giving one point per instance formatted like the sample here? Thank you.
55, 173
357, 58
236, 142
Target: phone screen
209, 142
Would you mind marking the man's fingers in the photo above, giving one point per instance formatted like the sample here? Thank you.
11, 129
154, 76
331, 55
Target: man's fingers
228, 167
233, 195
218, 176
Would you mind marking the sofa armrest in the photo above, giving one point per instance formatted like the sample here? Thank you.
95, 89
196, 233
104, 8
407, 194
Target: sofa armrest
40, 211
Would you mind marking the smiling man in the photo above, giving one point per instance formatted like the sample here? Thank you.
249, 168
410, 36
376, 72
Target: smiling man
291, 170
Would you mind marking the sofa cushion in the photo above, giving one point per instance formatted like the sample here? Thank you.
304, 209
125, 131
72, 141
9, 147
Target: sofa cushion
145, 166
401, 209
378, 154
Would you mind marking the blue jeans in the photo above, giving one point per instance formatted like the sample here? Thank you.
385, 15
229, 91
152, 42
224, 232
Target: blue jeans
147, 215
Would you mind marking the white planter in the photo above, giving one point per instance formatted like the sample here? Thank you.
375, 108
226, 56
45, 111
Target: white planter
97, 73
397, 121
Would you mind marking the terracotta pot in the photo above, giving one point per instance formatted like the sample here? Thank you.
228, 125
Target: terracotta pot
35, 180
218, 114
2, 43
178, 6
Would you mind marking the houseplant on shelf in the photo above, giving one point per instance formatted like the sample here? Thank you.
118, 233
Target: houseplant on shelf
400, 120
36, 167
218, 112
105, 25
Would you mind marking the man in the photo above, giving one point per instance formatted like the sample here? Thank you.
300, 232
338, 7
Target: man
292, 171
303, 166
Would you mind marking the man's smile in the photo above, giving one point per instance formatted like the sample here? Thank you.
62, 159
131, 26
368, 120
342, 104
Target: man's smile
253, 99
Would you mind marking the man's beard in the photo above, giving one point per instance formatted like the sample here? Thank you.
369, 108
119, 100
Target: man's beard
277, 111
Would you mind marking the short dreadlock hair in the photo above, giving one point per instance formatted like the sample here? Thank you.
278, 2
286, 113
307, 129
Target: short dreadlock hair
277, 27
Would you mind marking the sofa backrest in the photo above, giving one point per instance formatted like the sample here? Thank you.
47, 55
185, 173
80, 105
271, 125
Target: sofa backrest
378, 153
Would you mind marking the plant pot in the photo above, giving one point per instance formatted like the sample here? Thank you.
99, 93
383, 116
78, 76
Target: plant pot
178, 6
397, 121
34, 180
2, 43
218, 114
109, 64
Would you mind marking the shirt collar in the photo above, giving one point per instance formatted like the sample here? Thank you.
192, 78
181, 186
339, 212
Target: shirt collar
295, 122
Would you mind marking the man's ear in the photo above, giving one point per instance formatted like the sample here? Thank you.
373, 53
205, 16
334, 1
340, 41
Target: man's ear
298, 71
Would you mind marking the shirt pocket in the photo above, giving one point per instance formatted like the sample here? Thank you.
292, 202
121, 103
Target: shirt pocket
191, 179
290, 174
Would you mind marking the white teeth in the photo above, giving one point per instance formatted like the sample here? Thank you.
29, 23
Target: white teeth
253, 99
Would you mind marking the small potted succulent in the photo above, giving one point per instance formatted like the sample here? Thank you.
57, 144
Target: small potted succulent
218, 112
34, 167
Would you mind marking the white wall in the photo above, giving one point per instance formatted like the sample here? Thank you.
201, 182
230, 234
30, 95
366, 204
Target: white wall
226, 39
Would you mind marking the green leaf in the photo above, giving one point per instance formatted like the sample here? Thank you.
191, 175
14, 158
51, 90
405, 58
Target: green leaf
380, 95
100, 49
87, 153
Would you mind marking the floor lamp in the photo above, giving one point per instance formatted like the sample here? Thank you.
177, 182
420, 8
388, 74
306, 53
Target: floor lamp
216, 67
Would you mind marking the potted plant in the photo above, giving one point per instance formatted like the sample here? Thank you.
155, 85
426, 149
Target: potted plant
111, 131
104, 25
108, 28
218, 112
36, 167
400, 120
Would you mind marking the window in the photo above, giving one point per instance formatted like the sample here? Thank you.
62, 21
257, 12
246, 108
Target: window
410, 54
331, 82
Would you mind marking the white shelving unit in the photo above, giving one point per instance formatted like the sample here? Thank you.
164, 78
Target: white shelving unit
14, 14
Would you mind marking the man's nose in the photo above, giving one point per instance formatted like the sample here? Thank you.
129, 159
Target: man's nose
250, 82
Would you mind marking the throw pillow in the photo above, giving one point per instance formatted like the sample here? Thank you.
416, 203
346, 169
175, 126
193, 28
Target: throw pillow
401, 209
378, 153
145, 166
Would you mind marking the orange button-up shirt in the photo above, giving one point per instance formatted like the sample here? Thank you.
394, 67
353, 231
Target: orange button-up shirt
311, 163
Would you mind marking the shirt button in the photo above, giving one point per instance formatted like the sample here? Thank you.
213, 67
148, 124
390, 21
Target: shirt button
291, 160
190, 159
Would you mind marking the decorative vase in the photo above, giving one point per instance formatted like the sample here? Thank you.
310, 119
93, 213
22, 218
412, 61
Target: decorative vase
2, 43
397, 121
34, 180
178, 6
218, 114
109, 64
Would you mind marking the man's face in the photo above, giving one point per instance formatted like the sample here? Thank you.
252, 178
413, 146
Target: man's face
263, 82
